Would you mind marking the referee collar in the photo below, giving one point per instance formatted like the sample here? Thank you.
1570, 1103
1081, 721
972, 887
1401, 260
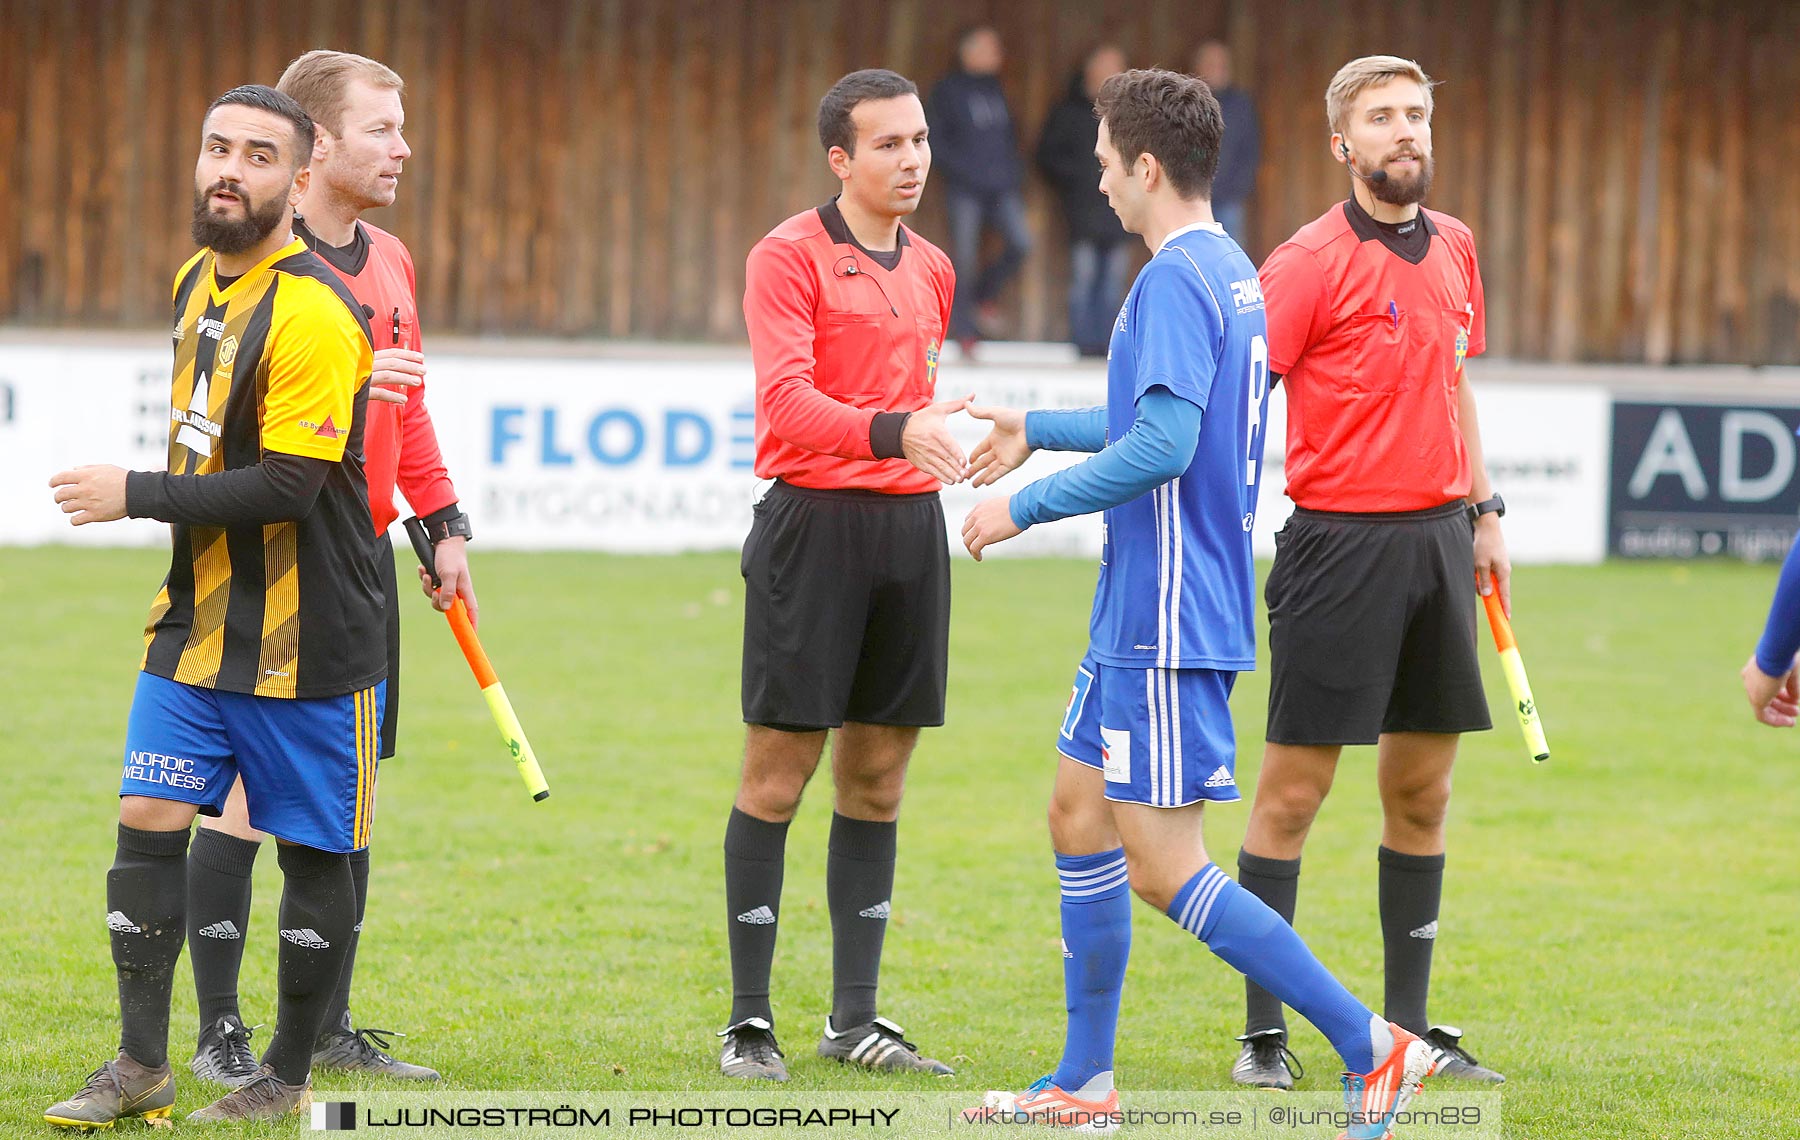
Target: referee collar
1366, 228
838, 230
350, 259
1192, 227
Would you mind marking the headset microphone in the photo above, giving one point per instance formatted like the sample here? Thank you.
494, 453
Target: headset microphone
847, 267
1375, 179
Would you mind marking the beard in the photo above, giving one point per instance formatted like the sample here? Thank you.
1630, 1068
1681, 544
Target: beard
1408, 192
233, 236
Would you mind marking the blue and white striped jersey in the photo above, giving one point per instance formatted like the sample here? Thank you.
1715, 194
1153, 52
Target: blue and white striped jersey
1177, 580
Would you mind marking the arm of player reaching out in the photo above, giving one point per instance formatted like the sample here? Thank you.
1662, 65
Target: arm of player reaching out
1769, 675
1071, 429
1159, 446
280, 488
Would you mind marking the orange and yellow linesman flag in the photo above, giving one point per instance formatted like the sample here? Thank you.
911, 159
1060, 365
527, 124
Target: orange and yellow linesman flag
491, 689
1514, 667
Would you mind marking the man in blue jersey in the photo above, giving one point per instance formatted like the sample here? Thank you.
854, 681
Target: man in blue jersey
1147, 739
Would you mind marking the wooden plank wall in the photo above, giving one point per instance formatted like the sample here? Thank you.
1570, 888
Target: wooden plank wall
1631, 168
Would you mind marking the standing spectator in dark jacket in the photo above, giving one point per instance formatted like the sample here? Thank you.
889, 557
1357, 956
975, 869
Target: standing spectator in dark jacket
976, 152
1242, 149
1065, 155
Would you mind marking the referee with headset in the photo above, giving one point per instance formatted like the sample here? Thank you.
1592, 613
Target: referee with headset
1372, 309
846, 568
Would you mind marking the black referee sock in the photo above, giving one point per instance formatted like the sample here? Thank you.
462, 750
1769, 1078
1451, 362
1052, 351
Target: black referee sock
218, 918
146, 897
859, 883
1277, 883
755, 856
1411, 888
318, 908
340, 1000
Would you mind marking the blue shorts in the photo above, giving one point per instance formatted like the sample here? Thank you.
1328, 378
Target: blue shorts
1163, 737
308, 765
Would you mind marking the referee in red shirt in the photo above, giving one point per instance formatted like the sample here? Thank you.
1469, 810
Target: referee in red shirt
1372, 310
847, 566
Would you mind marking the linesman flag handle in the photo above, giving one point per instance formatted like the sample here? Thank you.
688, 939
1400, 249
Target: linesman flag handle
1514, 667
491, 689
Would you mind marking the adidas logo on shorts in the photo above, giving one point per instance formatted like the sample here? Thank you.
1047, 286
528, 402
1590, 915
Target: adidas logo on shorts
1221, 778
223, 929
306, 936
1429, 930
761, 916
880, 910
116, 920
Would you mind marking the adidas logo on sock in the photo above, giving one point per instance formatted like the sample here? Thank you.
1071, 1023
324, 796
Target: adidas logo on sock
1221, 778
116, 920
306, 936
1065, 946
223, 929
880, 910
761, 916
1429, 930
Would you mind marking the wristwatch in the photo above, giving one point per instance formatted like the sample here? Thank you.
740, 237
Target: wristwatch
1493, 506
456, 526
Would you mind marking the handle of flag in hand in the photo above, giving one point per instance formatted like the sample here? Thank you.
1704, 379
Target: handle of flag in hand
491, 689
1514, 667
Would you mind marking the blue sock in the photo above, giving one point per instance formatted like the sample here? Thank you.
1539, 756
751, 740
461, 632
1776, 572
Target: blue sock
1096, 927
1240, 928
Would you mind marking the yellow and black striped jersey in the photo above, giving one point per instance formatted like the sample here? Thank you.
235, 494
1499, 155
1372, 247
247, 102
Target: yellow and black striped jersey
275, 361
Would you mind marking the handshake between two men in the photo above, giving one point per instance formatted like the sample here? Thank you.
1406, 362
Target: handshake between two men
926, 443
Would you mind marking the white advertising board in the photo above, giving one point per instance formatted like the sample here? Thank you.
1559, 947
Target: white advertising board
644, 456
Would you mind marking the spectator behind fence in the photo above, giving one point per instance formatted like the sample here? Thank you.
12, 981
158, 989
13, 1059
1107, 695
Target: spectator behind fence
1241, 151
976, 152
1097, 250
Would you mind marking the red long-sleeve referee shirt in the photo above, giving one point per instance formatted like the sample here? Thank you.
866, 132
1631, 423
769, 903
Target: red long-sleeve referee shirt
400, 447
841, 335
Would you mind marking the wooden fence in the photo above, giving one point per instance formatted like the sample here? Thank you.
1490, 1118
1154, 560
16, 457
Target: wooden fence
1631, 168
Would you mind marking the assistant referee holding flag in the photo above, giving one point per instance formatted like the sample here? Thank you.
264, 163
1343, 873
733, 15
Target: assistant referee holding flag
1372, 310
847, 566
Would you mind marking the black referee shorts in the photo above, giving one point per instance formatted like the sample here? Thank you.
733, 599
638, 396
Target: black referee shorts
390, 588
846, 609
1372, 627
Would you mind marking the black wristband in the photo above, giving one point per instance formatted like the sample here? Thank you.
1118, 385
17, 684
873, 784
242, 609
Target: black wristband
885, 432
448, 522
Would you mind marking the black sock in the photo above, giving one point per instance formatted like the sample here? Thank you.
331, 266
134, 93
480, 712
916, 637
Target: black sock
337, 1016
318, 908
146, 897
1277, 883
755, 851
1411, 888
218, 918
859, 883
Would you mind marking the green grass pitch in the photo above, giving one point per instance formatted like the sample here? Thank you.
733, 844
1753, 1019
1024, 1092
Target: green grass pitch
1619, 925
